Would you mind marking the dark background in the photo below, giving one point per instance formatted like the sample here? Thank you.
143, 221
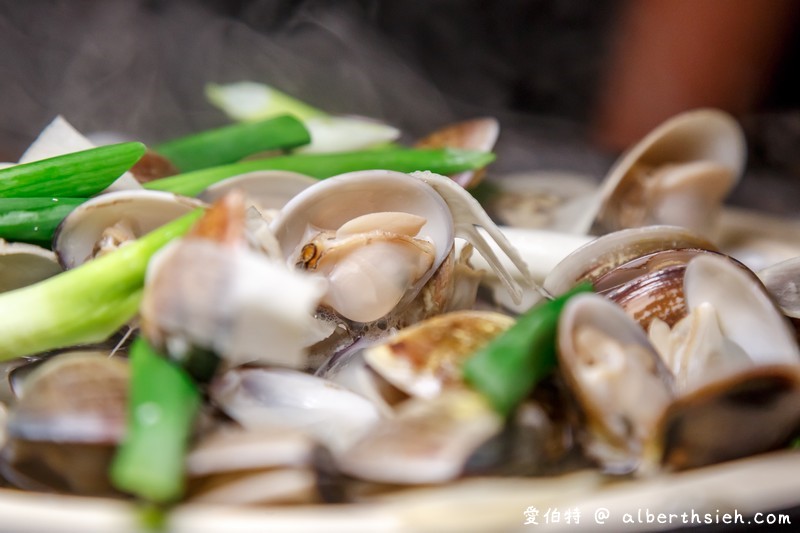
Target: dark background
139, 67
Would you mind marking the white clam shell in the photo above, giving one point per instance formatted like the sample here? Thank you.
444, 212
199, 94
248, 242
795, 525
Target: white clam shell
282, 398
240, 449
746, 313
600, 255
703, 135
426, 358
24, 264
617, 377
783, 282
143, 211
333, 202
429, 441
266, 189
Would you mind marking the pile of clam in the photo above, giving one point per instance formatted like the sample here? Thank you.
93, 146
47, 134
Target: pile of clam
342, 312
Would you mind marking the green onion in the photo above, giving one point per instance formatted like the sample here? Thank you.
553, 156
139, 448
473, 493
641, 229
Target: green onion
34, 220
247, 100
507, 369
74, 175
230, 144
162, 404
441, 161
83, 305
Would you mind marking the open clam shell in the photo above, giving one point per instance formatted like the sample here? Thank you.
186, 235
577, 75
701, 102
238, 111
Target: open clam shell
476, 134
617, 378
104, 223
428, 441
24, 264
747, 413
747, 314
782, 280
677, 175
63, 430
267, 189
282, 398
338, 205
600, 256
424, 359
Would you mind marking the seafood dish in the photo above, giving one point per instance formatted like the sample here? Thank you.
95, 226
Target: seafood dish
294, 321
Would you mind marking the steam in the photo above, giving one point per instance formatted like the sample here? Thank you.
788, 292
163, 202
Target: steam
139, 68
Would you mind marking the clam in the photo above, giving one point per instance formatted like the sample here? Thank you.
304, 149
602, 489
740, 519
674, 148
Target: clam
267, 190
679, 174
737, 370
103, 224
251, 466
265, 193
424, 359
287, 399
349, 369
618, 380
25, 264
747, 315
695, 349
599, 257
427, 441
551, 200
651, 286
379, 236
476, 134
63, 430
782, 280
743, 414
210, 292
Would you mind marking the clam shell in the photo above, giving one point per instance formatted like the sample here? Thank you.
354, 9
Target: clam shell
650, 286
426, 358
332, 203
617, 378
73, 397
478, 134
428, 441
24, 264
281, 398
747, 315
711, 146
748, 413
235, 450
268, 189
782, 280
600, 256
142, 211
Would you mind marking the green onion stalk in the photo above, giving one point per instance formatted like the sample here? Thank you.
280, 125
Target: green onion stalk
229, 144
34, 220
508, 368
440, 161
162, 405
83, 305
75, 175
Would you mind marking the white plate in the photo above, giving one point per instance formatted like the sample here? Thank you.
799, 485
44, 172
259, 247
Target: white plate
743, 488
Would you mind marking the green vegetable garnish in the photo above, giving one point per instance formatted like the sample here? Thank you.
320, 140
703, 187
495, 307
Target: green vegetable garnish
83, 305
248, 100
74, 175
230, 144
162, 405
441, 161
507, 369
34, 220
